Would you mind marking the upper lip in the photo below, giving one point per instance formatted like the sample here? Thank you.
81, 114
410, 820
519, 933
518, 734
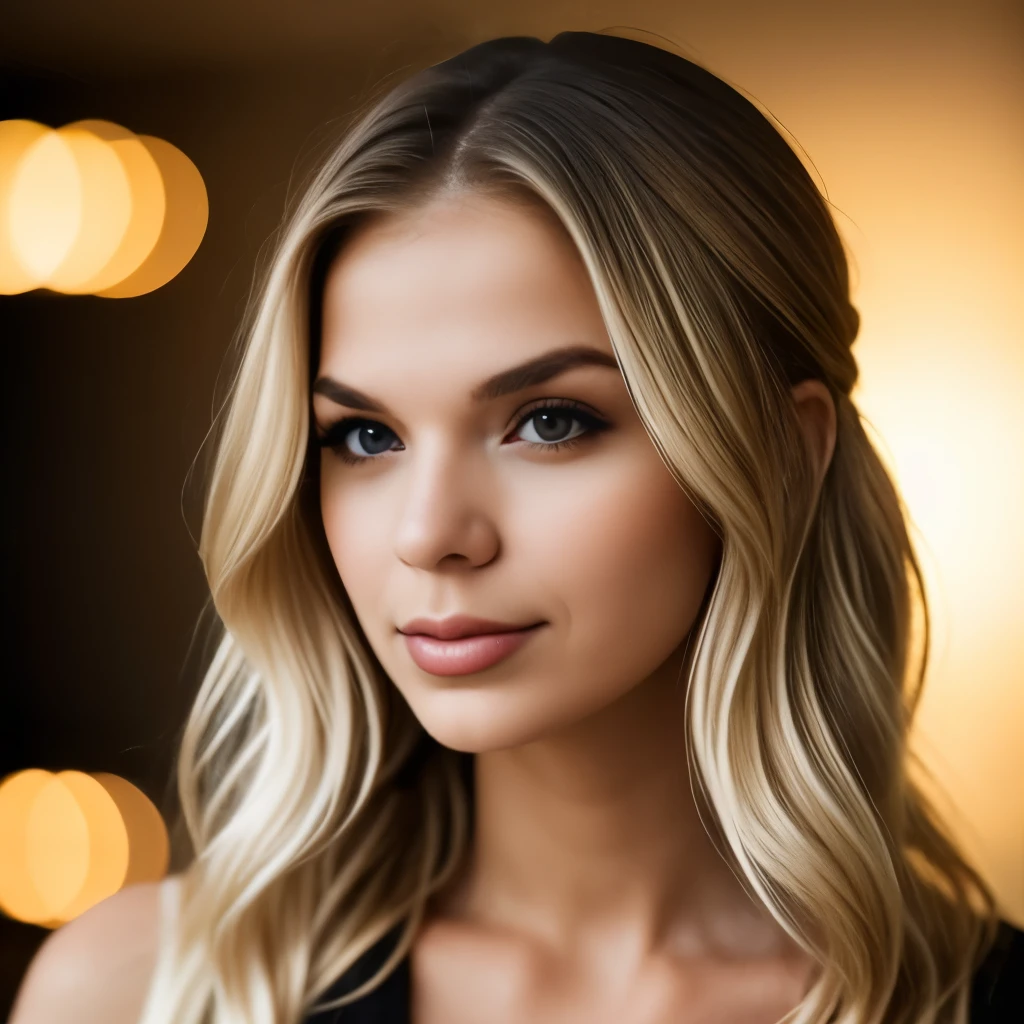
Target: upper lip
457, 626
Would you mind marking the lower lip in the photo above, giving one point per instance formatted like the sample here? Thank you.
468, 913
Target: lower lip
468, 655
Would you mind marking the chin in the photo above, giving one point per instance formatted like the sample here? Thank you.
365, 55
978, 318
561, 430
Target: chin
482, 719
473, 723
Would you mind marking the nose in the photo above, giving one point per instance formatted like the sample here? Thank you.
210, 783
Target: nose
447, 512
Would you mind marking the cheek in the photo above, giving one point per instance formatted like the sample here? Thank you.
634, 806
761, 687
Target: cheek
357, 554
632, 566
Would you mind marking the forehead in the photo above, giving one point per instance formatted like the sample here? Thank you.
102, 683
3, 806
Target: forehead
465, 285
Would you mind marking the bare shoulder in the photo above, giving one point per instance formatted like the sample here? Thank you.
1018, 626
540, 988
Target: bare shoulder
98, 966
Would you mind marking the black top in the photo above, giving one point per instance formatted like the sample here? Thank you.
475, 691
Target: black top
997, 996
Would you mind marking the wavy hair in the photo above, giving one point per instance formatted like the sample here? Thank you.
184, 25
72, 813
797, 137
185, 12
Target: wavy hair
321, 814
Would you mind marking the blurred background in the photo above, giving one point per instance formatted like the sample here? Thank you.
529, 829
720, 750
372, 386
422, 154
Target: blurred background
908, 114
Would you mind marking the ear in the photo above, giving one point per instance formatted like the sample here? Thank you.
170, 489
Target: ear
817, 413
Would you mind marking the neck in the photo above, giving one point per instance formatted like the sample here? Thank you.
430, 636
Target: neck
595, 831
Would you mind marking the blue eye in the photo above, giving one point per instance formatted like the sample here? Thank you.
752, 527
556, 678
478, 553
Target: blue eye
376, 439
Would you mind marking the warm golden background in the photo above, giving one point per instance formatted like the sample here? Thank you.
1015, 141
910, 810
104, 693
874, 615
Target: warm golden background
912, 118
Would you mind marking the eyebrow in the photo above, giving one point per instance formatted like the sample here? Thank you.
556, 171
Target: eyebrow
507, 382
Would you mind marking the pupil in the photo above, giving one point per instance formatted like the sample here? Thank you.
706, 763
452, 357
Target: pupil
369, 447
547, 416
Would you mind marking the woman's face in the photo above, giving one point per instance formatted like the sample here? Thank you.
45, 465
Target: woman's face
461, 503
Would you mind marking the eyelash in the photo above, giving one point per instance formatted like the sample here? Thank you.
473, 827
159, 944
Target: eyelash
334, 436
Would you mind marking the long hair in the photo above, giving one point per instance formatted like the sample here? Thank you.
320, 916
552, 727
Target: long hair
322, 815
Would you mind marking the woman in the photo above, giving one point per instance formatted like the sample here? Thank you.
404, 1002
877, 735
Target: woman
560, 336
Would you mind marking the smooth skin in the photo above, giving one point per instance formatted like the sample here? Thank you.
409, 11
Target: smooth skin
593, 892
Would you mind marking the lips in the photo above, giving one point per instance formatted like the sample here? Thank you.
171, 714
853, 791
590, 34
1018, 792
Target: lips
455, 627
468, 654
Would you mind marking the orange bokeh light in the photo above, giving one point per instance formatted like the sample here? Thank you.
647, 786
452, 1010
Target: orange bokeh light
69, 840
92, 208
17, 139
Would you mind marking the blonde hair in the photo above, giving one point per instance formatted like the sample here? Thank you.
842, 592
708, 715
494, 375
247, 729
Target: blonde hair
322, 815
